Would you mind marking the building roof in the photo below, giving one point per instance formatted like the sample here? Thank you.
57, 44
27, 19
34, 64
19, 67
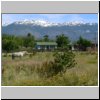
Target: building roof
46, 43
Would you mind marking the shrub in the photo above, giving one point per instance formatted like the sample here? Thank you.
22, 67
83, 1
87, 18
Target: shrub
62, 61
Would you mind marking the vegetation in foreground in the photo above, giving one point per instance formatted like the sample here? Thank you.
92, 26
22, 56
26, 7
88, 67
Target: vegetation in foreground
62, 68
27, 71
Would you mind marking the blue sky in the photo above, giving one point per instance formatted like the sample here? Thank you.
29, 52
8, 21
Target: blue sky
10, 18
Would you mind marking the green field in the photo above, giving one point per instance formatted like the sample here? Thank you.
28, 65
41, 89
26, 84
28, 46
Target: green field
23, 71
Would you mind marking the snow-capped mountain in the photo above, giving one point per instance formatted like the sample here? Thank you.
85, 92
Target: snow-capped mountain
44, 23
5, 24
39, 28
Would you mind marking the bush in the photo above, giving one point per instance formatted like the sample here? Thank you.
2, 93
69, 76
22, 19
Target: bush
62, 61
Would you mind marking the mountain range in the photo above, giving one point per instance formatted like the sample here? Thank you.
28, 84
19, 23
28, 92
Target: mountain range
39, 28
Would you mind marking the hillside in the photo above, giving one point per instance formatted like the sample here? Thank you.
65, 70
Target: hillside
40, 28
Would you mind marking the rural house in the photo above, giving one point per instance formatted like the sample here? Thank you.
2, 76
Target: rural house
45, 45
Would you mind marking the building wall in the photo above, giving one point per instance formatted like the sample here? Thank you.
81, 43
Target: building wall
46, 47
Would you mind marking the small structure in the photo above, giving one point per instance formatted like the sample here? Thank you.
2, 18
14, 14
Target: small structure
94, 45
72, 46
46, 45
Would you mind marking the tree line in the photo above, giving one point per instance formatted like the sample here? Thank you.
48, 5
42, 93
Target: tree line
12, 43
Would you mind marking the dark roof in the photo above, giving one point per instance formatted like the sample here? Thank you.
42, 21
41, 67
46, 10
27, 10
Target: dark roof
46, 43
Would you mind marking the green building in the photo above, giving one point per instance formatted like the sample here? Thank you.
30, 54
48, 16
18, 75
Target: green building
46, 45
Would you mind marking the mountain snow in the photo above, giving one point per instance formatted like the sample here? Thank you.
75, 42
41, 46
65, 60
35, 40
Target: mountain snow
39, 28
44, 23
36, 22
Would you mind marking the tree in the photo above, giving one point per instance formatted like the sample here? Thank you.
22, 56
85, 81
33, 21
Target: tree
10, 45
83, 43
62, 41
29, 40
29, 35
64, 60
46, 38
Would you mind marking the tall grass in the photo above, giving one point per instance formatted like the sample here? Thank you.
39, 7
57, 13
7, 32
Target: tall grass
26, 71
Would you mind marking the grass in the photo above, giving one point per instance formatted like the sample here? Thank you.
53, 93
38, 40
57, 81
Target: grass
24, 71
